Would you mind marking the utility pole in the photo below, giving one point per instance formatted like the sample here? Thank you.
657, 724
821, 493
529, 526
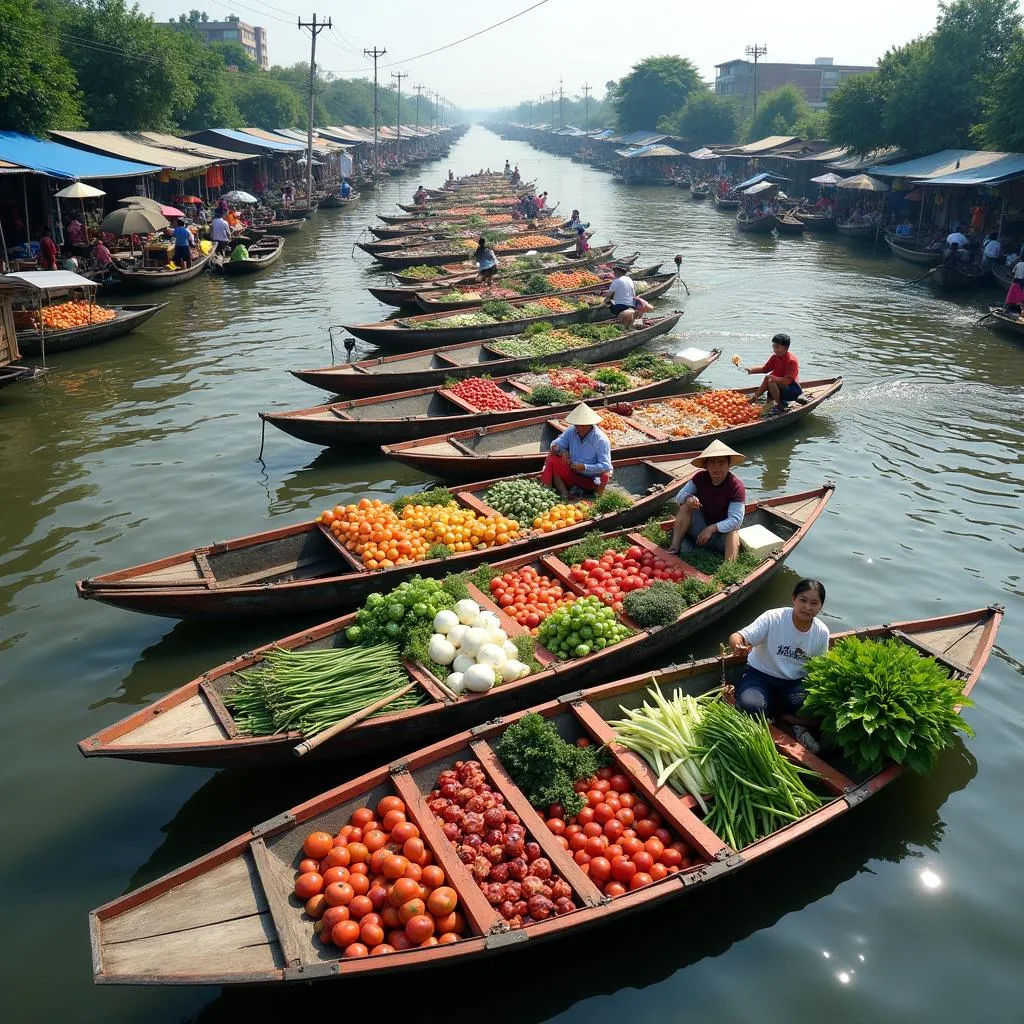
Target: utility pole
757, 52
552, 108
399, 75
529, 107
376, 55
315, 28
561, 106
419, 89
586, 102
437, 110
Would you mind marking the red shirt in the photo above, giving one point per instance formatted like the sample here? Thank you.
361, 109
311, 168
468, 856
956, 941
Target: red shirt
49, 252
715, 501
783, 366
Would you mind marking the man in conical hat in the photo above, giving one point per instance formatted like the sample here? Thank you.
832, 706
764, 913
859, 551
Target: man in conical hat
712, 503
581, 456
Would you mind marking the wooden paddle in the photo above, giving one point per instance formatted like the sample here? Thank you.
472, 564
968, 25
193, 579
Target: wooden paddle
921, 278
322, 737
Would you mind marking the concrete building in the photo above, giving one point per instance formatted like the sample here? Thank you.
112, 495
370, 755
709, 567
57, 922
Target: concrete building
817, 81
252, 38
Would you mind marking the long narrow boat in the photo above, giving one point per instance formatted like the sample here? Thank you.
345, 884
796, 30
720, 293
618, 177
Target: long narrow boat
300, 568
425, 412
144, 279
865, 232
437, 257
820, 222
756, 225
13, 373
458, 229
411, 333
262, 254
281, 227
337, 202
957, 277
910, 253
700, 191
296, 210
1002, 275
726, 203
230, 917
522, 446
787, 224
424, 369
1001, 320
188, 726
463, 241
127, 318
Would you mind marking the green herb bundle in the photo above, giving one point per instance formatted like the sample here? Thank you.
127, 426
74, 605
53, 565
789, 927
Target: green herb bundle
656, 605
435, 496
614, 499
883, 702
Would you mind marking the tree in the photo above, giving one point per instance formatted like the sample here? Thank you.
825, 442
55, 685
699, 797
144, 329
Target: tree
264, 102
1003, 125
653, 88
855, 112
211, 106
233, 54
779, 112
705, 118
38, 89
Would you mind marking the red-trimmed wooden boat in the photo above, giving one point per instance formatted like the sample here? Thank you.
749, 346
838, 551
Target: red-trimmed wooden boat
426, 412
438, 239
457, 229
957, 277
300, 568
436, 257
262, 254
389, 374
230, 917
756, 225
1008, 323
522, 446
431, 302
191, 725
128, 318
410, 333
144, 279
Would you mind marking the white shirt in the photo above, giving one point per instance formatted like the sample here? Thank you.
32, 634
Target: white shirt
1018, 271
219, 230
993, 250
957, 237
779, 648
622, 291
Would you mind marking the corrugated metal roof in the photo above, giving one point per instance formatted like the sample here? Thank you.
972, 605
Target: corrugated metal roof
656, 149
272, 139
983, 166
642, 138
771, 142
230, 135
116, 144
321, 146
195, 148
852, 163
9, 168
1004, 167
59, 161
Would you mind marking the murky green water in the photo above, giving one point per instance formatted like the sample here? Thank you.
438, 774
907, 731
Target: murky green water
148, 446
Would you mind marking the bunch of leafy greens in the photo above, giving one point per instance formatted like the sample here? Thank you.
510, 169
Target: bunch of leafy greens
435, 496
653, 367
614, 499
540, 328
544, 766
548, 394
592, 545
536, 284
656, 605
882, 702
500, 310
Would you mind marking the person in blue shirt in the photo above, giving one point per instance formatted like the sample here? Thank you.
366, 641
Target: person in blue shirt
581, 456
346, 188
905, 230
182, 245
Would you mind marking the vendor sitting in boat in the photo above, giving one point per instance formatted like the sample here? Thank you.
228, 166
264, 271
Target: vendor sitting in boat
485, 260
712, 503
419, 197
582, 242
346, 188
581, 456
1014, 301
782, 372
905, 230
621, 295
777, 645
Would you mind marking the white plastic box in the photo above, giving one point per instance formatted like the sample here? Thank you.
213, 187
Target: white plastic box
691, 357
759, 540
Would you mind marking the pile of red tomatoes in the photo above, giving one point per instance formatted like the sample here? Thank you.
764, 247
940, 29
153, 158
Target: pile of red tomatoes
618, 839
493, 843
528, 596
374, 887
485, 394
616, 573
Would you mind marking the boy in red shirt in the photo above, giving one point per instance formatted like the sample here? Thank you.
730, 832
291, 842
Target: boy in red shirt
782, 371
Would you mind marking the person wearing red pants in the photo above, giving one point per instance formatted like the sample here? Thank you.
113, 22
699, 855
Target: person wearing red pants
581, 456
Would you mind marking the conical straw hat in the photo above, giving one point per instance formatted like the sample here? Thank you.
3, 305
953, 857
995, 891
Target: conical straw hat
718, 450
583, 416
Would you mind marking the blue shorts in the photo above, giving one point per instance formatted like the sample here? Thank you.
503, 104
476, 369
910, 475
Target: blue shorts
758, 692
621, 307
791, 392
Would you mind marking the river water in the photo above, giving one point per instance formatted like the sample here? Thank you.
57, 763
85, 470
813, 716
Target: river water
907, 909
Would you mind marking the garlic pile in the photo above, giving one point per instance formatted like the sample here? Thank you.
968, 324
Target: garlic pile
478, 650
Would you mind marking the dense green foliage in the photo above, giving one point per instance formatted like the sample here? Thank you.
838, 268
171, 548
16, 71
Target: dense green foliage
656, 605
654, 88
705, 118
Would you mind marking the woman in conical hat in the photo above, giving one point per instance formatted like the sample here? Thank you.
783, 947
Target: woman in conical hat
581, 456
712, 503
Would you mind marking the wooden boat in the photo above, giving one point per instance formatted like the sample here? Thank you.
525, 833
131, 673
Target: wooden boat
437, 257
820, 222
300, 568
522, 446
426, 412
1001, 320
551, 261
409, 333
756, 225
143, 279
229, 917
700, 191
282, 227
957, 277
683, 183
726, 203
454, 239
865, 232
337, 202
296, 210
129, 317
910, 253
787, 224
459, 229
1002, 275
11, 373
261, 255
188, 726
389, 374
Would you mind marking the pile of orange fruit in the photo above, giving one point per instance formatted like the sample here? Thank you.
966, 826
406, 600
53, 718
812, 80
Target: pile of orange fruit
555, 305
67, 315
558, 517
564, 280
732, 406
498, 218
383, 538
527, 242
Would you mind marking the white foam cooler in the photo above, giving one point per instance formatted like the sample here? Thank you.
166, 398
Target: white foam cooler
691, 357
759, 540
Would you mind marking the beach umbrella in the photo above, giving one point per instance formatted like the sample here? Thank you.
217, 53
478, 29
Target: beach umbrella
79, 190
826, 179
141, 201
133, 220
863, 183
238, 196
191, 200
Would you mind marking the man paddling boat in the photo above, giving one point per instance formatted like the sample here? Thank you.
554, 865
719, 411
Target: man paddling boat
581, 456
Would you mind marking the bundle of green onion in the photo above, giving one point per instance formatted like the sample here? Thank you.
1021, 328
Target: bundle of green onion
309, 691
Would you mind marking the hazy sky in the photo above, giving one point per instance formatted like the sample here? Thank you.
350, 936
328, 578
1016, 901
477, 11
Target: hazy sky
578, 40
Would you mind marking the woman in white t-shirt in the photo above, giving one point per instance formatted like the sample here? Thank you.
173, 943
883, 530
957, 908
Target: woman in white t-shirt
777, 644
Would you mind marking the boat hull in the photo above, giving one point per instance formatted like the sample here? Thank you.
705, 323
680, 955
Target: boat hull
398, 260
1005, 322
758, 226
865, 232
813, 222
31, 342
255, 264
151, 280
915, 256
956, 279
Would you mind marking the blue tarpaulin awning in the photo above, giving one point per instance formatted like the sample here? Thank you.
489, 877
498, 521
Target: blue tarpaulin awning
228, 138
758, 178
58, 161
